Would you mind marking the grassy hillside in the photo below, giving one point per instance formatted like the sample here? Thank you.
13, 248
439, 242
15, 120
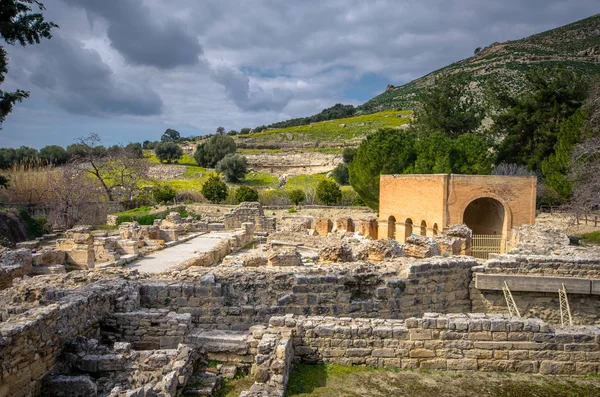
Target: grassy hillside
576, 45
333, 132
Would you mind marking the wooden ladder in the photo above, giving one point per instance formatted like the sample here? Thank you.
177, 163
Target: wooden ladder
513, 310
565, 310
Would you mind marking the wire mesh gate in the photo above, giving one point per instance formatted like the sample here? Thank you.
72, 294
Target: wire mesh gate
482, 245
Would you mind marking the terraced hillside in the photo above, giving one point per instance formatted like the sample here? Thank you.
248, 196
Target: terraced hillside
325, 134
576, 45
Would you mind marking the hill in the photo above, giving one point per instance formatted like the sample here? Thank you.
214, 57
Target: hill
576, 45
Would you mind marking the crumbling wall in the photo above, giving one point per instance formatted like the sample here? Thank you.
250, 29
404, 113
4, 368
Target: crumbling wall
250, 212
445, 342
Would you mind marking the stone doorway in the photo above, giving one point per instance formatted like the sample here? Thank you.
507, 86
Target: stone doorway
485, 216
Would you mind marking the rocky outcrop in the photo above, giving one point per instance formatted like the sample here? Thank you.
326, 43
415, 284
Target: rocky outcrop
537, 240
337, 252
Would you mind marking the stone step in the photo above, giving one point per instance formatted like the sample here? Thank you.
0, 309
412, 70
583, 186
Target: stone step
203, 385
216, 341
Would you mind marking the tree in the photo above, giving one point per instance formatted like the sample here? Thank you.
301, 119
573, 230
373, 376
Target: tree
233, 166
26, 155
433, 154
208, 154
8, 157
245, 131
164, 194
220, 130
232, 133
584, 171
387, 151
448, 106
214, 189
246, 193
529, 126
297, 196
118, 173
54, 154
348, 154
168, 151
329, 192
340, 174
470, 155
135, 150
170, 135
19, 24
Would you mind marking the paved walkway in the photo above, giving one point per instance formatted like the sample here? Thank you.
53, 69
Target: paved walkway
159, 261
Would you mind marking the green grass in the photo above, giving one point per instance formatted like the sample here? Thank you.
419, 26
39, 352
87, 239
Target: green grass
300, 181
592, 238
354, 128
260, 179
146, 215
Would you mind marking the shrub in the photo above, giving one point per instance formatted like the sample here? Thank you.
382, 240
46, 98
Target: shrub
297, 196
208, 154
214, 189
233, 166
273, 197
246, 193
340, 174
348, 154
54, 154
164, 194
168, 151
329, 192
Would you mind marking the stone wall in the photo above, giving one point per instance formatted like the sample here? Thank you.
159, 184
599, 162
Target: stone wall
147, 329
535, 297
250, 212
33, 340
239, 298
446, 342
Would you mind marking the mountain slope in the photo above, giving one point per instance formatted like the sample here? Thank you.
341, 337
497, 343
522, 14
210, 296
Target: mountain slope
576, 45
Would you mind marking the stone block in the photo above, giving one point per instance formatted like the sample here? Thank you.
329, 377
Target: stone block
524, 283
421, 353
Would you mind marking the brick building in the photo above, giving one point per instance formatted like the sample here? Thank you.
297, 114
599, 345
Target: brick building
428, 204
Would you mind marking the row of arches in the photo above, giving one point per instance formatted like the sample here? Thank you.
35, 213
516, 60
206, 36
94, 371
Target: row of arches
409, 227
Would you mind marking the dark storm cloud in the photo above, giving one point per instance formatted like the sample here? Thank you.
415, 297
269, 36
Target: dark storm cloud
79, 81
142, 38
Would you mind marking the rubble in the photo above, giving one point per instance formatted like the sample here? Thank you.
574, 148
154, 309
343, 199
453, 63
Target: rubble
420, 247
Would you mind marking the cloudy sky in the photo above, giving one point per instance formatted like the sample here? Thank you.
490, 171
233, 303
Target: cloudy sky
129, 69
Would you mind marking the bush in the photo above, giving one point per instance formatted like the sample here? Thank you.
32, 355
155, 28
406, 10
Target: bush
54, 154
233, 166
329, 192
273, 197
168, 151
340, 174
35, 227
164, 194
348, 154
246, 193
208, 154
297, 196
134, 150
214, 189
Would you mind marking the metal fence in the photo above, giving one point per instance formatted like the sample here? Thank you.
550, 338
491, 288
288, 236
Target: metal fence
482, 245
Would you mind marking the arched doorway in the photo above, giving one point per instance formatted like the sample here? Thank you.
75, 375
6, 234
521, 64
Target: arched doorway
485, 216
435, 229
391, 227
423, 228
408, 226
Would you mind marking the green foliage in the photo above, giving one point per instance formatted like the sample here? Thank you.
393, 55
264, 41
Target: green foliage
233, 166
328, 192
214, 189
297, 196
592, 237
387, 151
168, 151
170, 135
134, 150
35, 227
556, 167
348, 154
54, 154
337, 111
164, 194
433, 154
531, 126
246, 193
208, 154
470, 155
4, 181
340, 174
448, 106
144, 215
18, 24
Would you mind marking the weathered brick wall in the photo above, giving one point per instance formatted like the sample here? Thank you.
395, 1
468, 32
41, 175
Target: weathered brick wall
446, 342
147, 329
31, 342
237, 299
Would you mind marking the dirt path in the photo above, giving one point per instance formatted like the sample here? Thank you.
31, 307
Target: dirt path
159, 261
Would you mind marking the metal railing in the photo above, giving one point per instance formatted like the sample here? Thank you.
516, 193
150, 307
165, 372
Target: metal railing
482, 245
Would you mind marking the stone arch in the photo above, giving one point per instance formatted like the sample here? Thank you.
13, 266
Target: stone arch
408, 228
435, 229
485, 215
423, 228
391, 227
